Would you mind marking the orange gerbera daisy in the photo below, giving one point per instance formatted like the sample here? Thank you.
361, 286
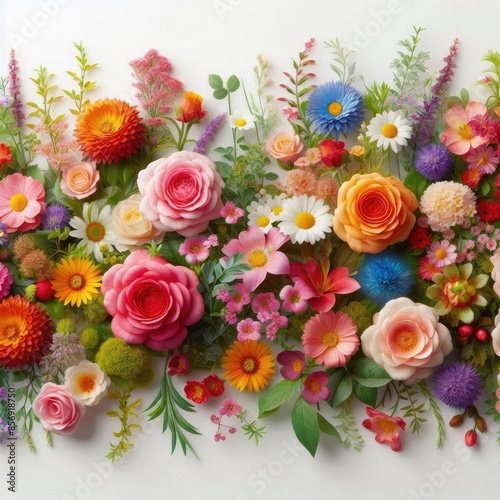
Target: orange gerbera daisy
109, 130
25, 332
249, 365
76, 280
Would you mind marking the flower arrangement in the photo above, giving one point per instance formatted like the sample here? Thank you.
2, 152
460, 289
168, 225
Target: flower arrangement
285, 263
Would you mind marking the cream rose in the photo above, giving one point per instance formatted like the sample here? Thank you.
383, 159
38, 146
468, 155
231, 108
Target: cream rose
87, 382
133, 229
285, 146
80, 180
407, 340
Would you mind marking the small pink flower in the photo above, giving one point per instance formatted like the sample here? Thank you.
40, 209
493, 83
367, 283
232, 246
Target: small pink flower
316, 388
291, 113
230, 407
426, 270
5, 280
264, 304
239, 299
248, 330
211, 241
491, 245
295, 297
195, 250
231, 212
484, 158
387, 428
448, 234
294, 364
475, 230
302, 162
441, 253
219, 437
230, 317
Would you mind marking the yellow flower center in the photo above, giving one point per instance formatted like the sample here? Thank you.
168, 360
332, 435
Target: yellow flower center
277, 210
133, 216
305, 220
95, 232
76, 282
465, 132
240, 122
86, 383
257, 258
389, 130
18, 202
330, 339
263, 221
407, 340
9, 332
335, 108
387, 426
440, 253
195, 248
315, 386
297, 365
107, 127
249, 365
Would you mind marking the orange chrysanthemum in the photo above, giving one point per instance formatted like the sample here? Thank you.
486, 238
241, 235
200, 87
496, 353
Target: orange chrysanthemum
25, 332
109, 130
249, 365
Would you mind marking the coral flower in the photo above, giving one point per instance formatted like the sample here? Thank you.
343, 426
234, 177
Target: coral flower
320, 286
76, 280
261, 253
249, 365
387, 428
22, 203
5, 154
330, 339
316, 388
458, 136
190, 108
196, 391
25, 332
109, 130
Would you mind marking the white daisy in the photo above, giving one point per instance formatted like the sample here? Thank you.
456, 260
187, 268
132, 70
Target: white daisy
390, 130
261, 216
241, 122
95, 229
305, 219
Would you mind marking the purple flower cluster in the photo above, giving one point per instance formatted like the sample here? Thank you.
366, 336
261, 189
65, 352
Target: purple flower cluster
14, 90
66, 350
208, 134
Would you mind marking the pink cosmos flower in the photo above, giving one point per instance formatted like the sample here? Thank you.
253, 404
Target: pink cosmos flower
22, 202
248, 330
294, 364
387, 428
195, 250
426, 270
330, 339
441, 254
5, 280
231, 213
458, 136
230, 407
320, 286
239, 299
316, 388
261, 253
295, 297
483, 158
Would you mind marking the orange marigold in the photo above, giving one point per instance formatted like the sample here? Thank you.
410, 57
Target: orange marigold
25, 332
109, 130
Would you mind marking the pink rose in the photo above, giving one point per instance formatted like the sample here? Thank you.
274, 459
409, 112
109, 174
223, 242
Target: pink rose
57, 409
285, 146
181, 193
151, 301
407, 340
80, 180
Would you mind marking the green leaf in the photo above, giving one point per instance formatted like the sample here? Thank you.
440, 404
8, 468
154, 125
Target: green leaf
276, 396
341, 386
367, 395
368, 373
327, 428
220, 94
306, 426
233, 83
35, 172
271, 176
215, 81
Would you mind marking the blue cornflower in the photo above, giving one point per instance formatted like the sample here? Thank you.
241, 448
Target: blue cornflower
458, 384
56, 217
433, 161
386, 276
335, 108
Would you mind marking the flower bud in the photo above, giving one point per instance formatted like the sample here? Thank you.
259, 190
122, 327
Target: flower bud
470, 411
456, 421
470, 438
480, 424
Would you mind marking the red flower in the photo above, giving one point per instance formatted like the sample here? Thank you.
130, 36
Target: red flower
489, 211
196, 391
215, 385
331, 152
419, 238
472, 177
190, 108
386, 428
5, 154
178, 365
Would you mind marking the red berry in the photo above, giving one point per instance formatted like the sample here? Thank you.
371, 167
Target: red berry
470, 438
44, 290
466, 330
482, 335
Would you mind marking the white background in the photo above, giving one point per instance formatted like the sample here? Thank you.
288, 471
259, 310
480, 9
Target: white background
202, 37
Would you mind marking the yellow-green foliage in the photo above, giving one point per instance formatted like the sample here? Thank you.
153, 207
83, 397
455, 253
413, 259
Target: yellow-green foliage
65, 325
89, 338
359, 314
94, 311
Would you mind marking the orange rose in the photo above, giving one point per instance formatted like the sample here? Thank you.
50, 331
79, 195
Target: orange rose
285, 146
190, 108
80, 180
374, 212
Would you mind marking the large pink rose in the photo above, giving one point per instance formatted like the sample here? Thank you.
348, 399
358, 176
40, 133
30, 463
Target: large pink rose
57, 409
181, 193
407, 340
151, 301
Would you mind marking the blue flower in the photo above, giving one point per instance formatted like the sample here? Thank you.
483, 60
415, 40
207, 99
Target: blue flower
335, 108
386, 276
433, 161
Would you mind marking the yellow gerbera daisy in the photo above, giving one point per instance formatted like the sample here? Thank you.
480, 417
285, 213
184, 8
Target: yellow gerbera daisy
76, 280
249, 365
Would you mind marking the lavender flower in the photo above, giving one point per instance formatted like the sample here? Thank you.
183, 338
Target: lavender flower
56, 217
458, 384
433, 161
208, 134
66, 351
4, 237
15, 91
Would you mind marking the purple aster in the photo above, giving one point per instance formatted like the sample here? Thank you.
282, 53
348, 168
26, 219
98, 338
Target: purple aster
4, 237
433, 161
457, 384
55, 217
5, 281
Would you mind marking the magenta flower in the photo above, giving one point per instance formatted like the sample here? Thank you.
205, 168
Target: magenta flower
195, 250
316, 388
387, 428
248, 330
294, 364
295, 297
230, 407
261, 253
178, 365
231, 212
5, 281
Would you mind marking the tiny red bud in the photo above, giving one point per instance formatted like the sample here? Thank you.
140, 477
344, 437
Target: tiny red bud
466, 330
482, 335
470, 438
456, 421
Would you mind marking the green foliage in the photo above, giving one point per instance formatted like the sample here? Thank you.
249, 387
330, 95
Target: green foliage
251, 430
347, 426
277, 395
492, 81
434, 406
341, 66
306, 426
376, 97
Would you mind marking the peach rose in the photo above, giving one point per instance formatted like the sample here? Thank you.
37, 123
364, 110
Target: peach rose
80, 180
407, 340
495, 336
133, 229
374, 212
285, 146
86, 382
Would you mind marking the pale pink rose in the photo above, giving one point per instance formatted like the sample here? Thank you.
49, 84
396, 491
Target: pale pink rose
86, 382
495, 335
133, 228
285, 146
181, 193
407, 340
151, 301
57, 409
79, 180
495, 273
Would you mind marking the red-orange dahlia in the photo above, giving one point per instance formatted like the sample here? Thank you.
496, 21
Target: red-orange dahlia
25, 332
109, 130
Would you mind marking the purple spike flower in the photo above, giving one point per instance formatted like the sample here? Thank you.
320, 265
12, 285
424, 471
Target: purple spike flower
208, 134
